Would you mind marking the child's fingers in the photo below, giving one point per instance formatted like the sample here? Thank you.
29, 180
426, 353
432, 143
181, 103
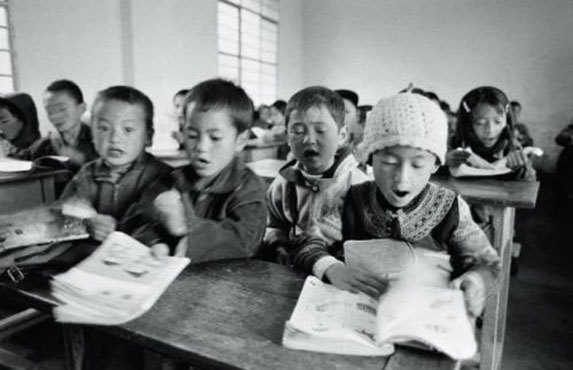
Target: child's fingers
160, 250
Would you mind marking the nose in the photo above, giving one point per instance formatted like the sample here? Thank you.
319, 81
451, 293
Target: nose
202, 145
114, 136
488, 127
402, 174
309, 137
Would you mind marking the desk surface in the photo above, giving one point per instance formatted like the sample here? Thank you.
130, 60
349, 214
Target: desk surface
489, 191
6, 177
231, 315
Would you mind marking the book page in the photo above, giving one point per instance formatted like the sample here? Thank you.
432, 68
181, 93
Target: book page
331, 315
38, 226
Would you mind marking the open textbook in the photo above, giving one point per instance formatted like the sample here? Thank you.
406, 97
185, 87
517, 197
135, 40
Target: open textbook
418, 307
41, 225
120, 281
476, 166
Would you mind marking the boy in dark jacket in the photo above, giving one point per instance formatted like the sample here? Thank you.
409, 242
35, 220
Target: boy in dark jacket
214, 208
122, 126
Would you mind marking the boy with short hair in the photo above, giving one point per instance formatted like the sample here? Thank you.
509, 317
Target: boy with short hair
214, 208
405, 141
64, 104
305, 200
122, 127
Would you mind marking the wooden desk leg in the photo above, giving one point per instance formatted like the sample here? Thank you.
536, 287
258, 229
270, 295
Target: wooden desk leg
493, 330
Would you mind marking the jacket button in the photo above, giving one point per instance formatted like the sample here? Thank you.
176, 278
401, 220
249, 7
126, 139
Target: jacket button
314, 188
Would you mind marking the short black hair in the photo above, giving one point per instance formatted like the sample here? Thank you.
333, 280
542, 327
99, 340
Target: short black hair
515, 103
280, 105
218, 93
69, 87
130, 95
348, 95
181, 92
317, 96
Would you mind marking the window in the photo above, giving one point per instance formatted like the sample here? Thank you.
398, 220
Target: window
7, 83
248, 38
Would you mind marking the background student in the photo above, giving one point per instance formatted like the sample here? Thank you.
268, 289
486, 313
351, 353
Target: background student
305, 200
64, 104
214, 208
486, 125
122, 126
405, 141
19, 127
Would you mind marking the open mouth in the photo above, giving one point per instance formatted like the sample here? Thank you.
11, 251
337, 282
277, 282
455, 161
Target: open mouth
400, 193
201, 162
311, 153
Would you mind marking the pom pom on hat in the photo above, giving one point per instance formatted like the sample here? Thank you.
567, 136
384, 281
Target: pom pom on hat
405, 119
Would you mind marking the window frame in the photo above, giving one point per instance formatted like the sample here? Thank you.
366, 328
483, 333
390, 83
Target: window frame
241, 58
6, 4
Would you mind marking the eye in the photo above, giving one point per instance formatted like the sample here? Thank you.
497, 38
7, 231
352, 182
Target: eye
103, 127
129, 130
216, 138
192, 134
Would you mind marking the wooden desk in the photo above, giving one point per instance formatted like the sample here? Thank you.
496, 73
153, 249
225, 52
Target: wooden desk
174, 158
231, 315
503, 197
21, 190
256, 151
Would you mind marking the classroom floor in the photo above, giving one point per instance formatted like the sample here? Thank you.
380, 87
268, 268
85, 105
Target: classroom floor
539, 327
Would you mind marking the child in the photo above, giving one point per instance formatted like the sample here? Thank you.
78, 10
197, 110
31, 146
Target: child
486, 125
350, 99
178, 104
405, 141
19, 127
122, 127
305, 200
64, 103
214, 208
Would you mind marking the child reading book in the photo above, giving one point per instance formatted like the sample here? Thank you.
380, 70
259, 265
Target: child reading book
122, 126
305, 200
486, 126
405, 141
214, 208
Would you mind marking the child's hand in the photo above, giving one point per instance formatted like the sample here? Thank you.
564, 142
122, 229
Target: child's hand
160, 250
474, 292
516, 159
345, 278
457, 157
171, 210
100, 226
76, 157
283, 257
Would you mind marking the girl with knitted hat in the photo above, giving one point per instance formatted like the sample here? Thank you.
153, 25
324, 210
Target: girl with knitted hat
486, 125
405, 142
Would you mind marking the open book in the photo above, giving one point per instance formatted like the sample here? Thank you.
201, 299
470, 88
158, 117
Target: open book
42, 225
120, 281
476, 166
418, 307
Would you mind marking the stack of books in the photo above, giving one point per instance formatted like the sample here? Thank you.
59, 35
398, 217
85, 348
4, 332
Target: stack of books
119, 282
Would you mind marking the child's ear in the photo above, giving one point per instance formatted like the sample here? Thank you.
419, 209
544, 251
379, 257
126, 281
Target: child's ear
242, 140
436, 167
343, 136
83, 107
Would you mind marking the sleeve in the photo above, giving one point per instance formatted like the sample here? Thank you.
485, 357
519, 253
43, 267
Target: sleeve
278, 224
238, 235
79, 187
471, 251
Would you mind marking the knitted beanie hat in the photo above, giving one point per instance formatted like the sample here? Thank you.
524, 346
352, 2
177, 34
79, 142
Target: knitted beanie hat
405, 119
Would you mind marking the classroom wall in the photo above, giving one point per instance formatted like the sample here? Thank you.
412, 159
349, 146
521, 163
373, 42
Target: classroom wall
79, 40
159, 46
524, 47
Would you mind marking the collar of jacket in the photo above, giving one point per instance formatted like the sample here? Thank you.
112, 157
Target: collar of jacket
228, 180
343, 162
103, 173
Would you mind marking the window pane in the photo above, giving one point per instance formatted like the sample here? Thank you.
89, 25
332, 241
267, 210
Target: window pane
3, 17
252, 4
270, 9
4, 39
5, 63
6, 85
